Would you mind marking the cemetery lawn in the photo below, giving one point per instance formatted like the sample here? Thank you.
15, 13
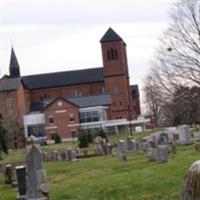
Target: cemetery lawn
107, 178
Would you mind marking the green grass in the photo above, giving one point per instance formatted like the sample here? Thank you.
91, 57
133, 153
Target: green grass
107, 178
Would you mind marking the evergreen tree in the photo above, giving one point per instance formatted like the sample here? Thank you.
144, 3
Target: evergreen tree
3, 142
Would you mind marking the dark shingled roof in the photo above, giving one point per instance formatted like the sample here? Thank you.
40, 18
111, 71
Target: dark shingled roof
58, 79
38, 106
135, 90
81, 102
110, 36
9, 84
90, 101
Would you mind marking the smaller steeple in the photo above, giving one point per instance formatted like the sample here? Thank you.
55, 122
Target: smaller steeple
110, 36
14, 67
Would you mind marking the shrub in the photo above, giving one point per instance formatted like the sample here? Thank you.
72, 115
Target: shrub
56, 138
83, 139
102, 134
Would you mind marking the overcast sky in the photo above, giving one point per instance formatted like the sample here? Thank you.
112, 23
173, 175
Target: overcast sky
64, 35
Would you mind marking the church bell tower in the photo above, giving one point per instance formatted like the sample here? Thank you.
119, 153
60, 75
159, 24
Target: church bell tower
116, 77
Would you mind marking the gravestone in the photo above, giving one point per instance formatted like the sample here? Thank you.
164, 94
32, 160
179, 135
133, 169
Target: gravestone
63, 156
197, 146
122, 150
162, 153
197, 134
68, 154
8, 173
73, 155
34, 164
163, 138
184, 135
35, 174
191, 188
56, 156
42, 182
145, 145
109, 148
131, 145
104, 146
98, 151
121, 146
21, 179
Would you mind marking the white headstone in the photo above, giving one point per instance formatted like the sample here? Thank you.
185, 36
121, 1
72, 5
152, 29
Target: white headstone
184, 134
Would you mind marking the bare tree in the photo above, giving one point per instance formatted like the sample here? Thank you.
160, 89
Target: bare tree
176, 62
152, 96
179, 53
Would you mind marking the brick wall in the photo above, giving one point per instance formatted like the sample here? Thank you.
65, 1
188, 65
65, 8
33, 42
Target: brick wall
61, 112
13, 107
67, 91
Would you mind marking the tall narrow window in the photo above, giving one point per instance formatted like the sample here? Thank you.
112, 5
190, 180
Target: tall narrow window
116, 54
108, 55
115, 89
112, 54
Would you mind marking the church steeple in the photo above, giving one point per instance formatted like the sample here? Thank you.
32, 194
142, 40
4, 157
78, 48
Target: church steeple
14, 67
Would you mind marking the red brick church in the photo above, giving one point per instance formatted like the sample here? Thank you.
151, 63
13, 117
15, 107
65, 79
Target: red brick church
63, 102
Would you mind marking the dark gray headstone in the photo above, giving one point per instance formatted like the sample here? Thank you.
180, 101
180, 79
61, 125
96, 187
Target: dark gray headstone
68, 154
21, 179
8, 173
131, 146
63, 156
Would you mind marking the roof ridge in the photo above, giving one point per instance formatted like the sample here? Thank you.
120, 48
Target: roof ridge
59, 72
